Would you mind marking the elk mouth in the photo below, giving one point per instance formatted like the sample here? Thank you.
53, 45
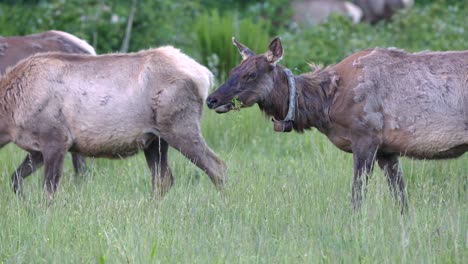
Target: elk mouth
223, 108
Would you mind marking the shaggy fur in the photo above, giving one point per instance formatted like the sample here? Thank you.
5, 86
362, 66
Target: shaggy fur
109, 106
378, 104
414, 94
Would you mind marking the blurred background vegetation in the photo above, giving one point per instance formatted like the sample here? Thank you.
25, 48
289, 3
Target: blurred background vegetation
203, 28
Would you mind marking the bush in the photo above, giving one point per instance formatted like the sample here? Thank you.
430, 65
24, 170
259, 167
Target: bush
214, 33
103, 22
206, 35
426, 27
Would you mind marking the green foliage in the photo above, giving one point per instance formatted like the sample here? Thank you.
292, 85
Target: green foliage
102, 22
214, 33
429, 27
288, 197
288, 201
165, 22
278, 12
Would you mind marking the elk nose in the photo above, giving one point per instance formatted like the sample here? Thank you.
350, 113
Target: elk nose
211, 102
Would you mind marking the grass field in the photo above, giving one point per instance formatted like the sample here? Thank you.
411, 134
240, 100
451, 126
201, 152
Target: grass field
287, 201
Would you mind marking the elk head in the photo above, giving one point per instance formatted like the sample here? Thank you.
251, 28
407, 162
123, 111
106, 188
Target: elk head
249, 82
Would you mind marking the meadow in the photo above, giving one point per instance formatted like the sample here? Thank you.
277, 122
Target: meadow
288, 198
287, 201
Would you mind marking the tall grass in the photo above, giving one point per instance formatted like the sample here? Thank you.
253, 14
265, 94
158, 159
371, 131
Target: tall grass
287, 201
288, 195
214, 32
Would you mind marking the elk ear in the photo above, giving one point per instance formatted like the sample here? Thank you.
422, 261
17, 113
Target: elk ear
275, 51
243, 50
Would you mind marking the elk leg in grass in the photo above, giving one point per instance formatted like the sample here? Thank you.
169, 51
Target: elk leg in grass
363, 157
193, 146
79, 164
54, 155
391, 167
156, 157
31, 163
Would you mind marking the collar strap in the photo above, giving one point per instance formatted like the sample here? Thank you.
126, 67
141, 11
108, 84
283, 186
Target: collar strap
286, 125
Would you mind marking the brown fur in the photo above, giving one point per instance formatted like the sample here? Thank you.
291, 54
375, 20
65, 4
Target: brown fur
15, 48
109, 106
377, 104
377, 10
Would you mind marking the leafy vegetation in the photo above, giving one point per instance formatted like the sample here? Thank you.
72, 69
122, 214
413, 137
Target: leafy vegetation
288, 198
214, 33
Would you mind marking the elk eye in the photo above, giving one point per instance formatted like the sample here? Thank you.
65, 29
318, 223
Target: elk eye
252, 76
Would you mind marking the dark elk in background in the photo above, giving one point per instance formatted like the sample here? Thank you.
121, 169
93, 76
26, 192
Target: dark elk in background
372, 11
15, 48
376, 10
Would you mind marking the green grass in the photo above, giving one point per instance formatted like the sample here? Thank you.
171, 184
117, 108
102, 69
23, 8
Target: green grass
287, 201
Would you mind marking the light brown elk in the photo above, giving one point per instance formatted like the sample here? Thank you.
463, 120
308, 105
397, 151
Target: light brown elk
15, 48
317, 11
377, 104
109, 106
373, 11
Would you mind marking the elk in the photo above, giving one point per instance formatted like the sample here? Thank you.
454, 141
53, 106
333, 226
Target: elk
109, 106
15, 48
372, 11
317, 11
377, 104
377, 10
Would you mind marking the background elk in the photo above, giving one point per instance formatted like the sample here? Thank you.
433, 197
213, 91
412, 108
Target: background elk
377, 10
372, 11
108, 106
377, 104
15, 48
317, 11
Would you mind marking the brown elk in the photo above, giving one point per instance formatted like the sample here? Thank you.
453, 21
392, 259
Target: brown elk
377, 10
15, 48
109, 106
377, 104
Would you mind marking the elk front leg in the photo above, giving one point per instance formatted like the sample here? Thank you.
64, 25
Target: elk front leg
363, 158
193, 146
391, 167
79, 164
156, 157
31, 163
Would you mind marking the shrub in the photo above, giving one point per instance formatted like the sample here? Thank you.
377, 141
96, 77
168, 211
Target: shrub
425, 27
214, 33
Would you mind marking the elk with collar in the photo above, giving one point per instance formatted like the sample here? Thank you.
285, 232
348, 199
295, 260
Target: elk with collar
377, 104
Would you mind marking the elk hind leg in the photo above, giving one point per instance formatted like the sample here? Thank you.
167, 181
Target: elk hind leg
31, 163
391, 167
363, 159
156, 157
79, 164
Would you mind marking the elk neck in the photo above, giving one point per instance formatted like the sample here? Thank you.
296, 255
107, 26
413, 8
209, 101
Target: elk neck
314, 93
